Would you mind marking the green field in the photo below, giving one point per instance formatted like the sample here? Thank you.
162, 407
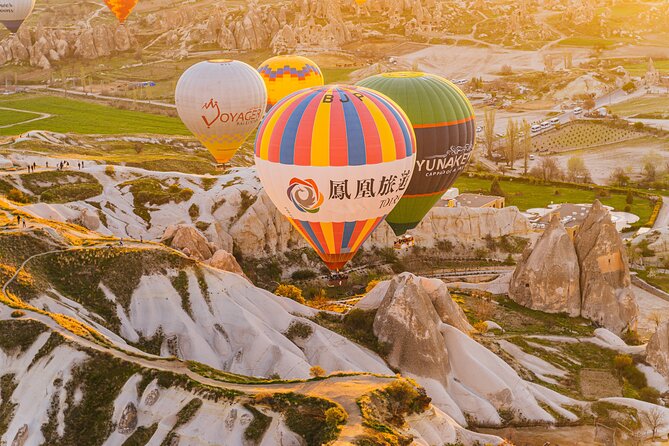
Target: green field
8, 117
77, 116
649, 106
639, 69
582, 134
527, 196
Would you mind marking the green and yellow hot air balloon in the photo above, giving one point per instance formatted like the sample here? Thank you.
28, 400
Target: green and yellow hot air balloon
443, 120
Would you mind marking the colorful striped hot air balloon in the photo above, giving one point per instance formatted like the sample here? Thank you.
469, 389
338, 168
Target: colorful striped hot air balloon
121, 8
221, 102
284, 75
14, 12
443, 120
335, 160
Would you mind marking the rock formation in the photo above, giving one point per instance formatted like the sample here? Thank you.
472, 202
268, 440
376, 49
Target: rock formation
189, 240
547, 277
589, 277
128, 422
225, 261
606, 292
429, 342
657, 350
417, 306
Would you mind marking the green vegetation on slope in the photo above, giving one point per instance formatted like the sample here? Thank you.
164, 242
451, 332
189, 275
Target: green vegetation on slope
149, 191
60, 186
648, 107
79, 116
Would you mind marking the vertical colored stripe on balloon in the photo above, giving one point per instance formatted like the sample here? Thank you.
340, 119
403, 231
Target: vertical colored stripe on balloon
297, 225
320, 155
278, 131
400, 134
383, 127
354, 136
338, 235
305, 132
311, 235
328, 236
364, 232
359, 225
317, 231
338, 143
349, 226
287, 149
370, 130
270, 144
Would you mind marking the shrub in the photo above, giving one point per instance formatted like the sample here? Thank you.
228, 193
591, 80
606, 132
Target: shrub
18, 313
371, 284
622, 361
629, 199
18, 196
481, 327
495, 188
317, 372
628, 208
303, 274
649, 394
194, 211
291, 292
298, 329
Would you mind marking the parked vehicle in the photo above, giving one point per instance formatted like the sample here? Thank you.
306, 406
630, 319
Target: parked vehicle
578, 110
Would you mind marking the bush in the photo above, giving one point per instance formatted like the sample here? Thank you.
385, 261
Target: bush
629, 199
18, 313
298, 329
371, 284
18, 196
317, 372
495, 188
303, 274
622, 361
628, 208
649, 394
291, 292
481, 327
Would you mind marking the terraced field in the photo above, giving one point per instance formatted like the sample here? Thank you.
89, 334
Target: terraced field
581, 135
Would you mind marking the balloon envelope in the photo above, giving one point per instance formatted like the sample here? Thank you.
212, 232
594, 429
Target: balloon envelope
443, 120
284, 75
121, 8
14, 12
335, 160
221, 102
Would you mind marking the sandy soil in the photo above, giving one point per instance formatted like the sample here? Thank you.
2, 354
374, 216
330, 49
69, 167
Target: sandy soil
465, 62
538, 436
601, 161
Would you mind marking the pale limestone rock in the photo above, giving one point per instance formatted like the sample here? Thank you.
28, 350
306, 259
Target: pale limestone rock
188, 240
606, 291
409, 319
547, 277
657, 350
21, 436
128, 422
225, 261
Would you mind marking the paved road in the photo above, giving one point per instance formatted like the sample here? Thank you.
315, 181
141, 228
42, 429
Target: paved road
662, 220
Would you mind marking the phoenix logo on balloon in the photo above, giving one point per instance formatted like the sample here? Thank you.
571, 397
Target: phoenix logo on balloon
305, 195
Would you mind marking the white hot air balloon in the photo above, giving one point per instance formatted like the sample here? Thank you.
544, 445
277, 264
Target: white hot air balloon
221, 102
14, 12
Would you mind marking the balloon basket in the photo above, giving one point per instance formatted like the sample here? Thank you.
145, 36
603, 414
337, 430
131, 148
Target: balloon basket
404, 242
222, 167
337, 279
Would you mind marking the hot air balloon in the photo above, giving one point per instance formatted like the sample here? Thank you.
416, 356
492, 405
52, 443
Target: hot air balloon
361, 2
443, 120
284, 75
221, 102
121, 8
14, 12
335, 160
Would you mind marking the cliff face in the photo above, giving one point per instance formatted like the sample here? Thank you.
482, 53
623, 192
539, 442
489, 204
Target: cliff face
589, 277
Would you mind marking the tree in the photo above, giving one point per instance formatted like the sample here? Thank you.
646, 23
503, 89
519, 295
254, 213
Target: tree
291, 292
577, 170
511, 141
629, 87
651, 161
629, 199
317, 372
495, 188
489, 131
548, 169
589, 104
526, 144
654, 418
619, 177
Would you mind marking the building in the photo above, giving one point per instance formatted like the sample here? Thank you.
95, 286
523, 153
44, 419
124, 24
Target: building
571, 215
473, 201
